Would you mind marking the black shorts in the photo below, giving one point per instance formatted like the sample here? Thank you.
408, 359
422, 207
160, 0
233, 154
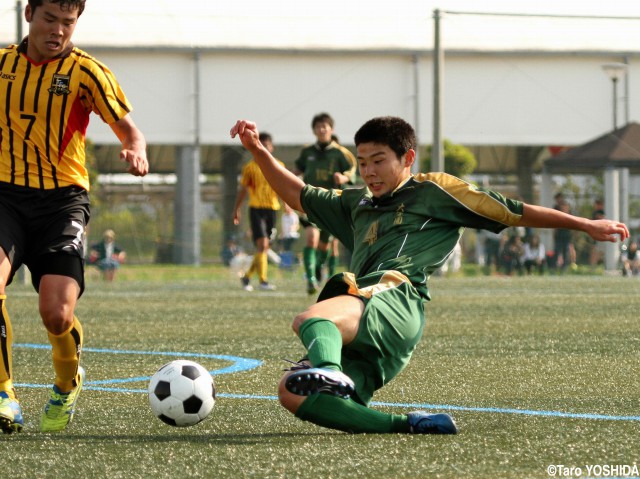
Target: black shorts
45, 230
263, 223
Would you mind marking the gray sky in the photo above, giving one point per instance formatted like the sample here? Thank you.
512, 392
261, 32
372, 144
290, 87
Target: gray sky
350, 24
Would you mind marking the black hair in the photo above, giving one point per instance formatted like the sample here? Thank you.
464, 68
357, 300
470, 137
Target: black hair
321, 118
265, 137
64, 4
391, 131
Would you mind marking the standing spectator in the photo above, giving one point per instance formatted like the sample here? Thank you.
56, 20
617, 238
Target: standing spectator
564, 251
493, 243
230, 250
49, 89
597, 251
512, 252
289, 234
107, 255
534, 255
329, 165
290, 228
263, 207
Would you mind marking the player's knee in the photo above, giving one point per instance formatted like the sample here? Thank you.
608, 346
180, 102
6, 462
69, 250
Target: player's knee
57, 318
298, 320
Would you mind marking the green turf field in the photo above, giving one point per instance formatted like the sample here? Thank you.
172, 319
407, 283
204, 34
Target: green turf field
538, 372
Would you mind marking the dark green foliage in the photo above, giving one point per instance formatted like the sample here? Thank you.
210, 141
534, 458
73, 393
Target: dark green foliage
458, 160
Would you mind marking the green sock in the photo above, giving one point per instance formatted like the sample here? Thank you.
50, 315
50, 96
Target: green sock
309, 260
323, 341
331, 266
321, 258
349, 416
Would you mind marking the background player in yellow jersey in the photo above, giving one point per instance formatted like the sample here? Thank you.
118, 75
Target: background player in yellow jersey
48, 89
263, 206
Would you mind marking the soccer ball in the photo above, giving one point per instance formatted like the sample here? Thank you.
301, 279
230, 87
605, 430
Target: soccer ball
182, 393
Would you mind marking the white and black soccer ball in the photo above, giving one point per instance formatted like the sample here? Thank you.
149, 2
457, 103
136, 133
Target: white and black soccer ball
182, 393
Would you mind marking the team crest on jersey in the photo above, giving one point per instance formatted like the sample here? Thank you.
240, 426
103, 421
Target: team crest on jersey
60, 84
397, 220
372, 234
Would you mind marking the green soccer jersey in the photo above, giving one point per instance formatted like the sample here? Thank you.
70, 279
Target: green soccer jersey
411, 230
318, 165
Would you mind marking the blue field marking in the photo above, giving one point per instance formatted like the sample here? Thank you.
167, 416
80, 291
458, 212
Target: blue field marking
447, 407
240, 364
526, 412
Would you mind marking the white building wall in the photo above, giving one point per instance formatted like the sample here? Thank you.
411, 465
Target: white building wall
500, 98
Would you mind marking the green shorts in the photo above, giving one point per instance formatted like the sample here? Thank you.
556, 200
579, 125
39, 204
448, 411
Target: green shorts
390, 328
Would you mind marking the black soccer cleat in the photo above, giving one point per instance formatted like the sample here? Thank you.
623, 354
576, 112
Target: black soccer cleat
305, 382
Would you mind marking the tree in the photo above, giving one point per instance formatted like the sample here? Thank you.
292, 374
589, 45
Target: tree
458, 160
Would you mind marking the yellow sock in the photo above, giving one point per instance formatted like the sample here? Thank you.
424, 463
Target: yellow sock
253, 267
6, 340
66, 356
263, 264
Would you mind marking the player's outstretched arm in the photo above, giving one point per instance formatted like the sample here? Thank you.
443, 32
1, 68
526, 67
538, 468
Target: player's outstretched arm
600, 230
134, 146
287, 185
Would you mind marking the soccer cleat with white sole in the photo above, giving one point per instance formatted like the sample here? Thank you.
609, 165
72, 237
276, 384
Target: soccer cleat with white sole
265, 286
59, 410
246, 285
10, 414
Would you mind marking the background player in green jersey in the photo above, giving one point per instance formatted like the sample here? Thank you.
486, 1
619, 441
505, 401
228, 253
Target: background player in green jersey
48, 89
400, 228
327, 164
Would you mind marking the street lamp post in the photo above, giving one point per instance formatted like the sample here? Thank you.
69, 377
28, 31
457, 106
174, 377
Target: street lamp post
612, 174
615, 71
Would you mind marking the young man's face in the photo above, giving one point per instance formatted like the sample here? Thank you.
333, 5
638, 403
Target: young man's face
50, 30
381, 169
323, 131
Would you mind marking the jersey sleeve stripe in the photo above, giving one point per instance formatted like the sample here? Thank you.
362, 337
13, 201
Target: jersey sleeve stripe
472, 198
112, 112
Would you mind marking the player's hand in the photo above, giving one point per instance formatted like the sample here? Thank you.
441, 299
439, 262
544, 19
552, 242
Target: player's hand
138, 164
247, 131
340, 179
608, 230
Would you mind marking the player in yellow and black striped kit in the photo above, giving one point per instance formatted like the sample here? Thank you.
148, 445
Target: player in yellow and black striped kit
263, 207
48, 89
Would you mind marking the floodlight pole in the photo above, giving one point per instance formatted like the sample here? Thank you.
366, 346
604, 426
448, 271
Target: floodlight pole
437, 155
615, 72
615, 103
19, 22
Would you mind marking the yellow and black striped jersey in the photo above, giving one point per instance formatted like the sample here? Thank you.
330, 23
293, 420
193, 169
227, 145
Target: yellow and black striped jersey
261, 195
44, 114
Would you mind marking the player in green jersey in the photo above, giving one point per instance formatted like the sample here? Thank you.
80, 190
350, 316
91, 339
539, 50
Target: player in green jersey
400, 228
328, 164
